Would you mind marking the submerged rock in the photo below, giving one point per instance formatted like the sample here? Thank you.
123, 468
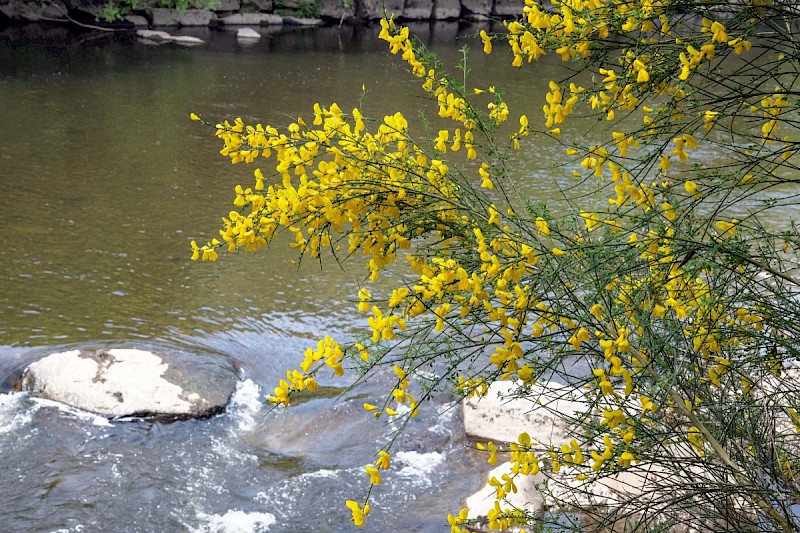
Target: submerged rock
155, 36
133, 383
247, 34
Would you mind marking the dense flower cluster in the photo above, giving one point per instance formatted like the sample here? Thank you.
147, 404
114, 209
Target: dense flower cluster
676, 303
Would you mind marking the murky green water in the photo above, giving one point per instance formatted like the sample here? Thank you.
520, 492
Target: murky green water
106, 181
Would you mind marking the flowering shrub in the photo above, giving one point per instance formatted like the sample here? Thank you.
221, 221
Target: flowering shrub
680, 296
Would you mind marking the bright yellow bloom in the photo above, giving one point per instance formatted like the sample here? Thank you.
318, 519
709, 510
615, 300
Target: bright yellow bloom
541, 224
487, 180
727, 229
487, 42
364, 295
383, 460
374, 474
358, 512
669, 211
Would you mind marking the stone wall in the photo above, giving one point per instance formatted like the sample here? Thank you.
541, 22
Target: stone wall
87, 11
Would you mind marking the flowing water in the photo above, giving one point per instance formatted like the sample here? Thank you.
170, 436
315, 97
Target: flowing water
104, 182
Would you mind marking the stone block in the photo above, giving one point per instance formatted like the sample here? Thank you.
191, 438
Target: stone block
335, 9
301, 21
527, 495
20, 10
541, 413
376, 9
508, 8
478, 7
447, 9
189, 17
418, 9
137, 21
251, 19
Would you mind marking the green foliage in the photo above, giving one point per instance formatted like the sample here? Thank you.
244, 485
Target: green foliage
118, 9
303, 8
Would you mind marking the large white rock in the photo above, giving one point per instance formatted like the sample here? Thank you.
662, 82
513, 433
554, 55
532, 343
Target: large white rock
548, 412
132, 382
542, 413
527, 497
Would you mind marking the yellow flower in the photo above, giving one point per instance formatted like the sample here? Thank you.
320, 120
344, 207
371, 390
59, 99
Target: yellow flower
558, 251
194, 117
374, 474
487, 42
727, 229
696, 439
383, 460
364, 295
494, 215
582, 335
625, 459
542, 225
492, 453
359, 513
456, 521
487, 180
669, 211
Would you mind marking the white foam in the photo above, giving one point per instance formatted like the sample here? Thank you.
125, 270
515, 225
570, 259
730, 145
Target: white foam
235, 521
13, 412
231, 455
418, 466
92, 418
245, 403
318, 474
444, 421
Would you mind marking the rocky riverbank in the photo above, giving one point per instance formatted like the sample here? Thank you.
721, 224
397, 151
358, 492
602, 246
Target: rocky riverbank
259, 12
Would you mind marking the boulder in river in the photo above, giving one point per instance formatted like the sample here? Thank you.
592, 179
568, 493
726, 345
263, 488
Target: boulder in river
125, 382
247, 35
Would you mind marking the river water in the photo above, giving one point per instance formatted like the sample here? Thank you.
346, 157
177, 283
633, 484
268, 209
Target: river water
105, 182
